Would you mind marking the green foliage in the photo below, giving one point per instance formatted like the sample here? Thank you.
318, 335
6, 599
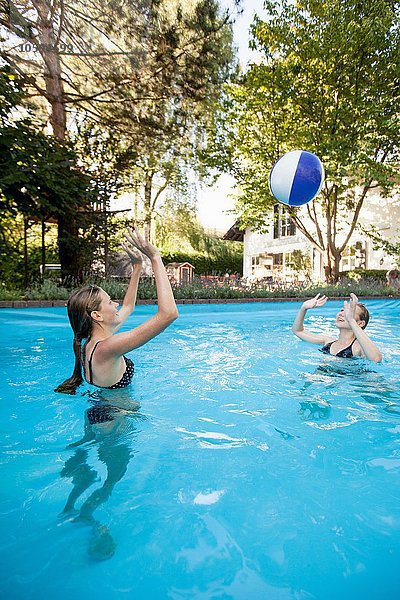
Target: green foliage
8, 293
50, 290
182, 238
39, 179
47, 290
207, 264
362, 274
147, 74
301, 261
11, 239
11, 92
147, 289
179, 56
38, 175
328, 83
12, 267
113, 287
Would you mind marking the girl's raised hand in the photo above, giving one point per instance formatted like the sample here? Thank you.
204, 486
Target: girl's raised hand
141, 243
134, 254
318, 300
349, 308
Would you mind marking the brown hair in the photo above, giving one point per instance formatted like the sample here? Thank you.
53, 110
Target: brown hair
363, 314
80, 304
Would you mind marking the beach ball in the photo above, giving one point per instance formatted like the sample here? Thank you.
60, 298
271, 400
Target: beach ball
296, 178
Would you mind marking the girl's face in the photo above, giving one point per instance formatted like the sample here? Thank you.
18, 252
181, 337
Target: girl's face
342, 323
108, 309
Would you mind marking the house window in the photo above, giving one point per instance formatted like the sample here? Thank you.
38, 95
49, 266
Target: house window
353, 257
360, 256
283, 224
289, 260
255, 261
278, 260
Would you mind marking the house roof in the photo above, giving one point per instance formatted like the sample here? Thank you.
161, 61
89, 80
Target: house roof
175, 265
234, 233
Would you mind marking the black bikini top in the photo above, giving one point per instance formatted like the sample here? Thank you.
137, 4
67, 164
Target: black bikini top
345, 353
125, 379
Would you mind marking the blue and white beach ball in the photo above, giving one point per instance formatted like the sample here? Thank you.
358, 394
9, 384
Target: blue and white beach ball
296, 178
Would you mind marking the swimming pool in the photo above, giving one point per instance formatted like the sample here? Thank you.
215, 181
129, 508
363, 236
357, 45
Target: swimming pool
255, 467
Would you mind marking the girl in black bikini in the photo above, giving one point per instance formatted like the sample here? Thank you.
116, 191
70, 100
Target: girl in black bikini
351, 322
94, 317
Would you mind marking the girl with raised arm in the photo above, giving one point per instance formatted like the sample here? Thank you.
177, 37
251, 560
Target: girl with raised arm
95, 319
351, 322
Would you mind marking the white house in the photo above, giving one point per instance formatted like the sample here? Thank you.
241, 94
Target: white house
273, 255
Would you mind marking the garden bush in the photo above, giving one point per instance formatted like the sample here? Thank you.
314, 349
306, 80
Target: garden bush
51, 290
358, 274
46, 290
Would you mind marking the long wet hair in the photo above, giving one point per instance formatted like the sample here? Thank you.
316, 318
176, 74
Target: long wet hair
80, 306
363, 314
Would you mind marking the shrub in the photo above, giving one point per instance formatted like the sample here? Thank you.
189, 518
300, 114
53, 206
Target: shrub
208, 265
9, 294
358, 274
147, 288
115, 288
47, 290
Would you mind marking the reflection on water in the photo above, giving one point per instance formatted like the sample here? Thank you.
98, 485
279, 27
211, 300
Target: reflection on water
315, 409
356, 379
110, 426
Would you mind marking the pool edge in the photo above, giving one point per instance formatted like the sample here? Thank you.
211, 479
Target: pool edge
58, 303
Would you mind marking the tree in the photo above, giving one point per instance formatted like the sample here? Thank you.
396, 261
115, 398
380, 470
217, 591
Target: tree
163, 135
39, 176
181, 237
150, 59
328, 83
99, 151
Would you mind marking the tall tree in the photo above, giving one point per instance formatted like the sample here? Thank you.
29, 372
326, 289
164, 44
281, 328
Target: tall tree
148, 58
190, 57
39, 176
328, 83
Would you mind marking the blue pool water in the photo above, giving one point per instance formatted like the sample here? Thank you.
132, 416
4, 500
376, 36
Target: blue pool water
245, 464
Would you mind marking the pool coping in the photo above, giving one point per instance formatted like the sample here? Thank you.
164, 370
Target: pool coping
57, 303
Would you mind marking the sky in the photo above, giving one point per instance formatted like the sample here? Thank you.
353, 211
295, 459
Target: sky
215, 202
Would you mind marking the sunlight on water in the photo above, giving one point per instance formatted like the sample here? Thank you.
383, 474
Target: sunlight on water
242, 463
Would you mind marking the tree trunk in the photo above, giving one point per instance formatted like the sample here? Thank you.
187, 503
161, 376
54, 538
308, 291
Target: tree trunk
106, 241
135, 199
67, 248
336, 267
43, 247
26, 276
148, 186
48, 48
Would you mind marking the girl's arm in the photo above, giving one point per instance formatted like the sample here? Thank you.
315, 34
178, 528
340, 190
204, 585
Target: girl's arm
369, 349
119, 344
128, 304
298, 325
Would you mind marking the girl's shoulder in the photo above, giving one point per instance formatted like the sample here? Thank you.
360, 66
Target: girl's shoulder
329, 339
356, 348
103, 350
